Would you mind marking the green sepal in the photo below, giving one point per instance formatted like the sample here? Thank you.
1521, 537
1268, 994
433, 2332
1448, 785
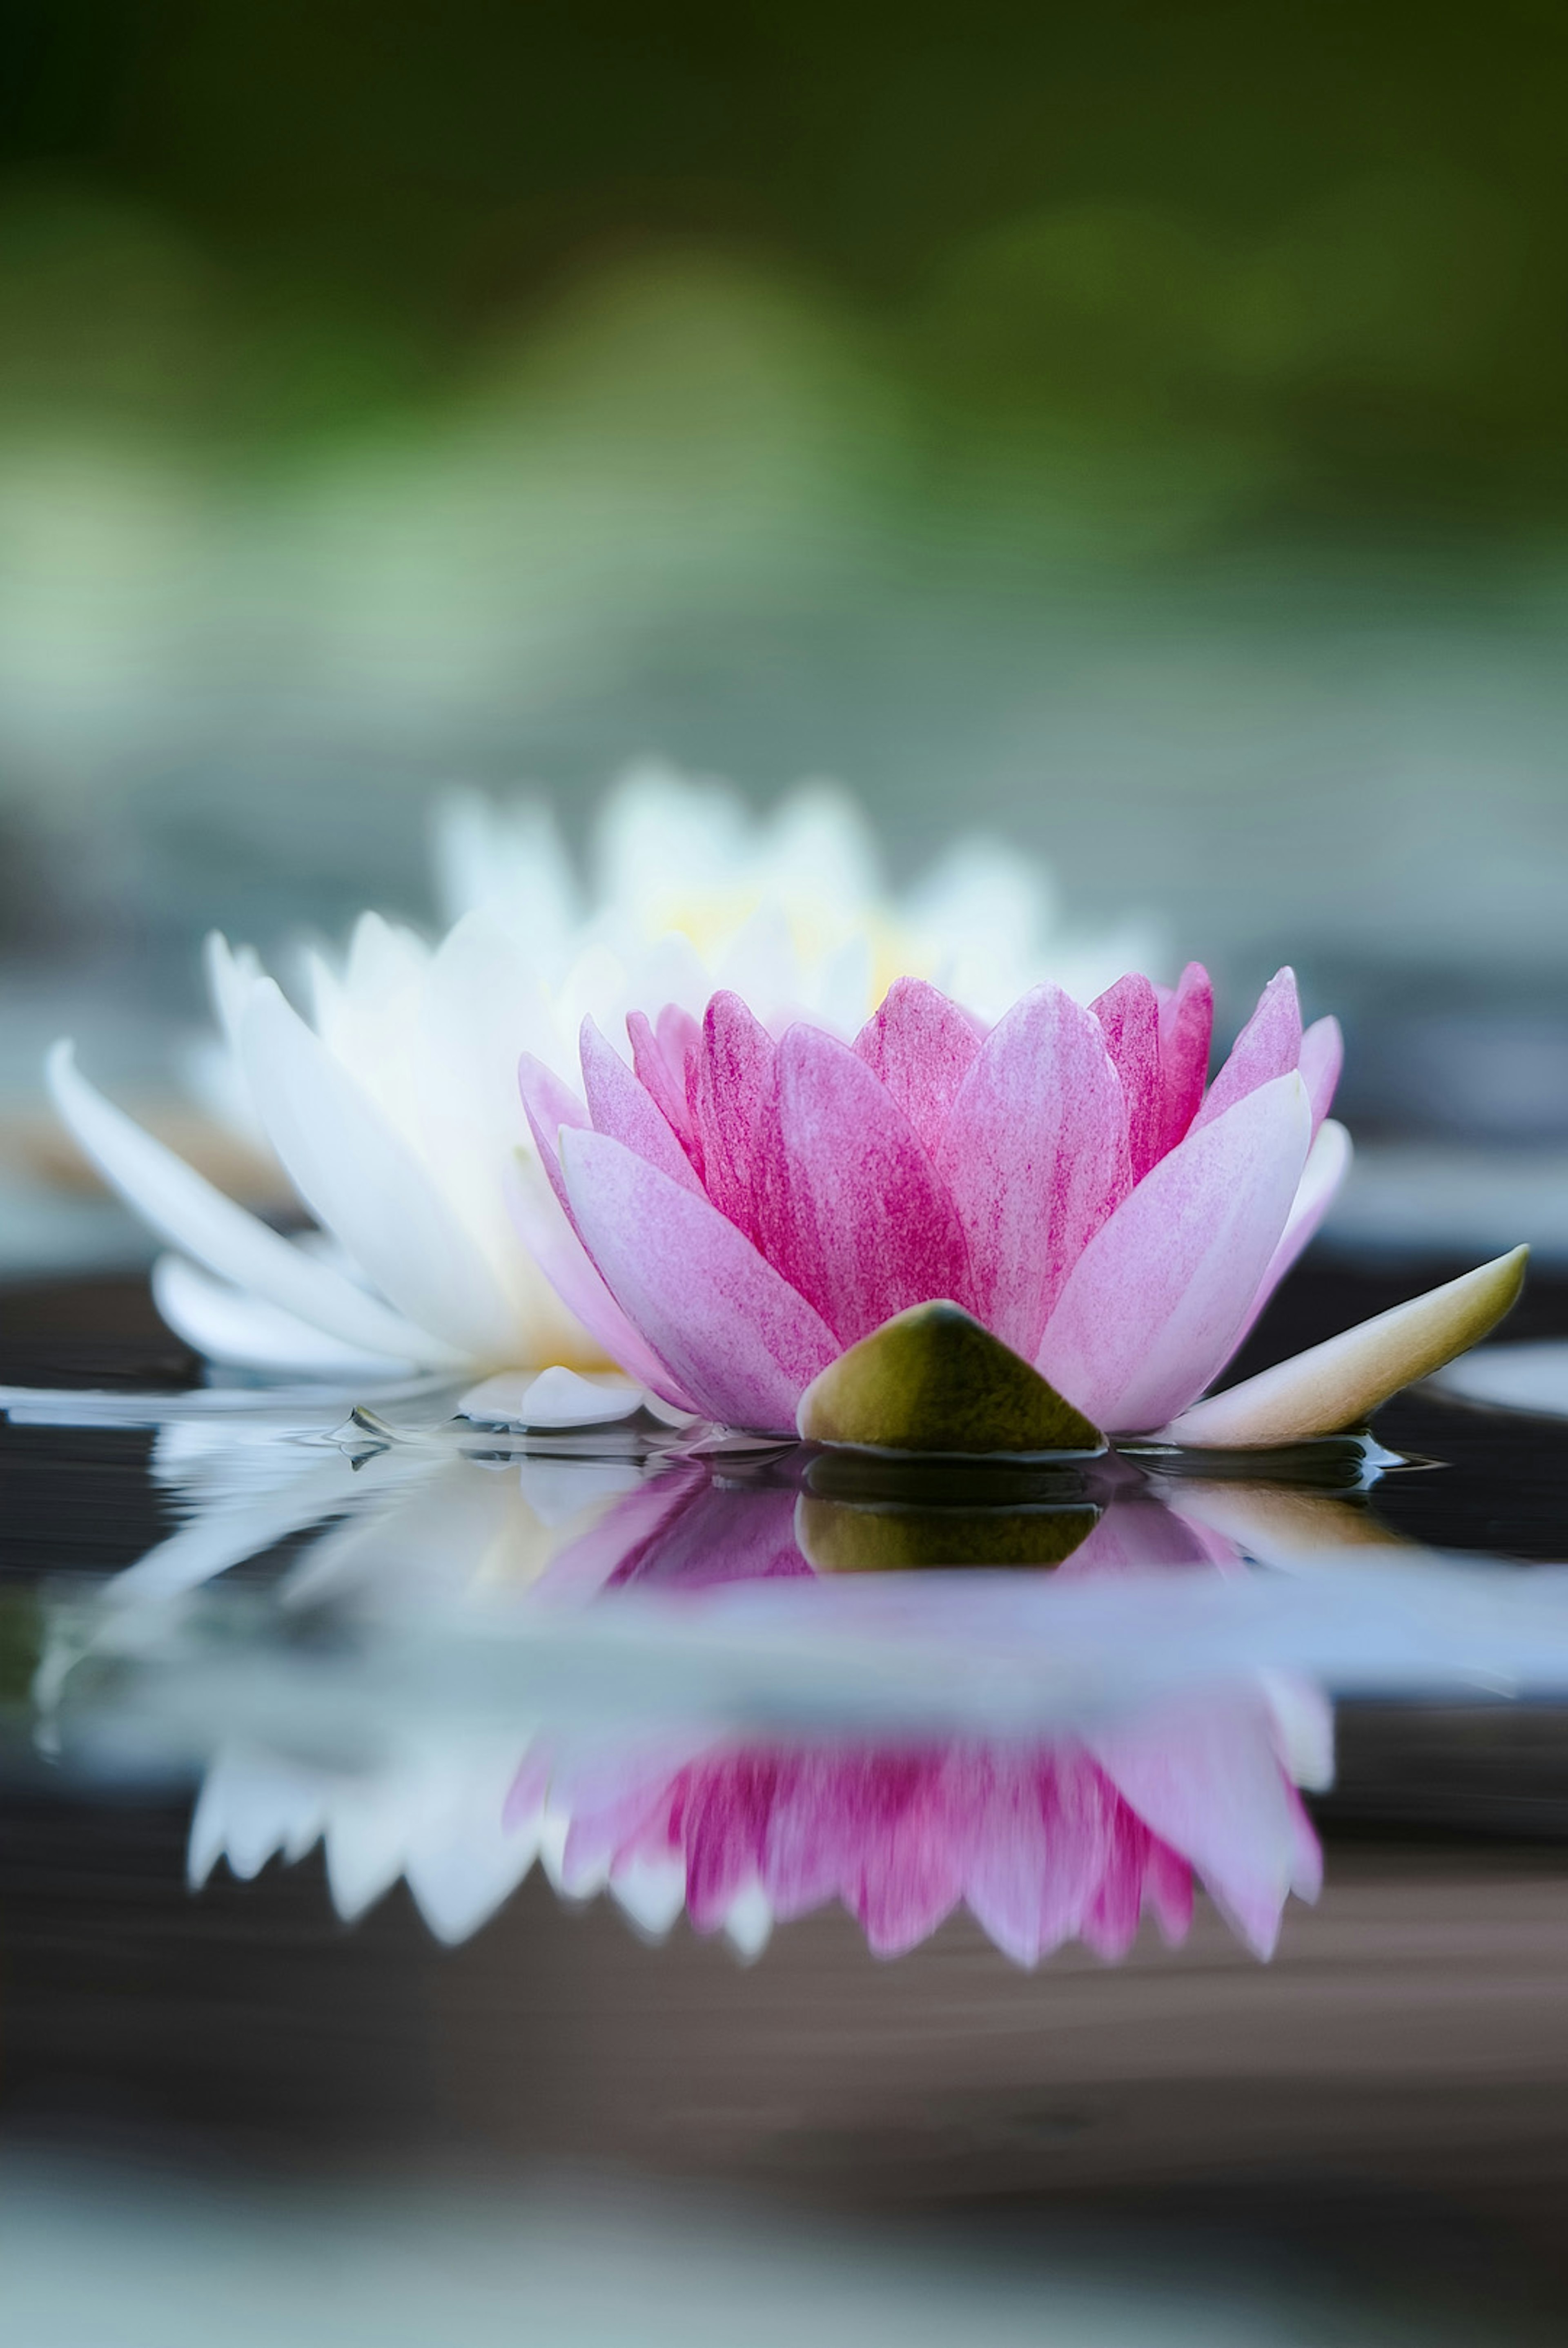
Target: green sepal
933, 1379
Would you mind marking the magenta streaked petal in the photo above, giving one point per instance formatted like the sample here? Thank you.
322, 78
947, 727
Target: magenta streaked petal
921, 1045
732, 1094
1129, 1016
1168, 1891
1269, 1046
1186, 1033
659, 1061
1322, 1058
736, 1336
622, 1107
1035, 1156
1152, 1307
863, 1225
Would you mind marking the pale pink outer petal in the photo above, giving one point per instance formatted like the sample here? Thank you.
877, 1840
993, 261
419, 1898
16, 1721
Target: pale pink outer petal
1322, 1058
1269, 1046
546, 1222
863, 1225
1153, 1304
1129, 1016
739, 1340
622, 1107
1327, 1163
1035, 1155
1209, 1782
546, 1230
552, 1107
921, 1045
1186, 1033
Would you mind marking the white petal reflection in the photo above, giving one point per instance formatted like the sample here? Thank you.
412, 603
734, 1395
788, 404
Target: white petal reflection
1528, 1377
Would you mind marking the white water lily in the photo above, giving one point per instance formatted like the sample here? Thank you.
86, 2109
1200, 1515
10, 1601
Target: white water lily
391, 1101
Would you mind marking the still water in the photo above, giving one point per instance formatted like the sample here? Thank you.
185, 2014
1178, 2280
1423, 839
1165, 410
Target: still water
457, 1885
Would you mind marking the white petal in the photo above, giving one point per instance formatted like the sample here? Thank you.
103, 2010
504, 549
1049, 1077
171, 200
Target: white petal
748, 1926
361, 1182
817, 848
466, 1870
1532, 1377
252, 1806
186, 1211
228, 1325
222, 1537
230, 972
483, 1006
511, 861
652, 1892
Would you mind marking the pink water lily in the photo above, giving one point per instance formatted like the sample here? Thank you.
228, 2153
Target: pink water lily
750, 1206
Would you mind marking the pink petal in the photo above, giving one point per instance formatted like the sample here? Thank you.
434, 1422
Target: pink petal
717, 1536
736, 1335
1129, 1016
864, 1225
1152, 1308
659, 1060
1035, 1155
1040, 1849
921, 1045
1269, 1046
551, 1108
546, 1229
1322, 1057
1208, 1782
621, 1107
732, 1088
1186, 1033
1327, 1163
609, 1551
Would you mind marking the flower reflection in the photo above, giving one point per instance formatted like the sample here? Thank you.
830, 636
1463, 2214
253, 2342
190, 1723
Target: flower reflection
1042, 1834
1074, 1838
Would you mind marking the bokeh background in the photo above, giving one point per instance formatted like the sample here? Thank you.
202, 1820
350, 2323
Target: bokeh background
1141, 431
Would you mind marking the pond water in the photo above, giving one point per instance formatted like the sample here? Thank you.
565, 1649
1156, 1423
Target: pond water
456, 1885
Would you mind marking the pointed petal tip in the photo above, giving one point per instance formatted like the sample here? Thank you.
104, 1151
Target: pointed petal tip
935, 1379
1339, 1384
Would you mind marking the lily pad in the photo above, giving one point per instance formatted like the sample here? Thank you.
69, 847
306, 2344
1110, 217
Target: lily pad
1339, 1384
933, 1379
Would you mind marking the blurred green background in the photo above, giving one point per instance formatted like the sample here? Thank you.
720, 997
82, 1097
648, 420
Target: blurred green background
1143, 431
